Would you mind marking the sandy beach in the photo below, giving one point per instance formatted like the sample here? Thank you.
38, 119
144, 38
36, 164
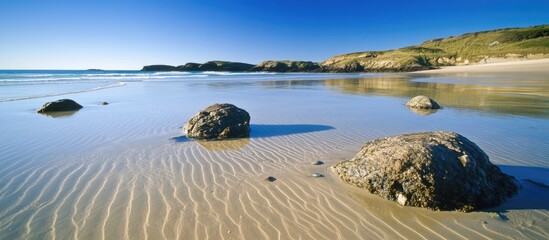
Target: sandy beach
518, 66
124, 171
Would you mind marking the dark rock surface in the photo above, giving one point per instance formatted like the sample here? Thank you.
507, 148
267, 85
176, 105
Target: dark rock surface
219, 121
160, 68
422, 102
436, 170
220, 66
60, 106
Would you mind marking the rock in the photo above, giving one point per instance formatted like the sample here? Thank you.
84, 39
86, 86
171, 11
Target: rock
270, 179
224, 66
422, 102
317, 175
60, 105
219, 121
103, 103
317, 163
435, 170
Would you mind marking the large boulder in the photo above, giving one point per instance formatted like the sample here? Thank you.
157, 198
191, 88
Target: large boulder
436, 170
60, 105
422, 102
219, 121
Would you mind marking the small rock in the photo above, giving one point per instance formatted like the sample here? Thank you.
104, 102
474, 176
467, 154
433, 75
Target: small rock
317, 175
229, 231
422, 102
270, 179
484, 222
317, 163
501, 216
60, 105
103, 103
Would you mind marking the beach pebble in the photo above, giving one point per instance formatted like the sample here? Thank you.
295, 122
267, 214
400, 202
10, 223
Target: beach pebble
270, 179
317, 175
317, 163
501, 216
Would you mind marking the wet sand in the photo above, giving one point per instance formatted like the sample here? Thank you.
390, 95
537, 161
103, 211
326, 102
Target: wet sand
124, 171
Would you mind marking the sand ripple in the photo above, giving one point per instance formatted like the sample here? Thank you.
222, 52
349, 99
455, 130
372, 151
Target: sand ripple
181, 190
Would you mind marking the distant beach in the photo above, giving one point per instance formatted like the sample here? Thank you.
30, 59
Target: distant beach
517, 66
125, 170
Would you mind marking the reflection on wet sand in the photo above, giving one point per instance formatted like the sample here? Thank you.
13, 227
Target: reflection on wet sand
513, 96
230, 144
63, 114
423, 112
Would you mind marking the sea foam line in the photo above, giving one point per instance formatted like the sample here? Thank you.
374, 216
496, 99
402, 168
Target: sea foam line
120, 84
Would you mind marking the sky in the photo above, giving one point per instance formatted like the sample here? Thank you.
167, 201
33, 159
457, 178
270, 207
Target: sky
124, 34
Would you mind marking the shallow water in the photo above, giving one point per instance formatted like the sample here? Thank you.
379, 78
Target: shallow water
124, 170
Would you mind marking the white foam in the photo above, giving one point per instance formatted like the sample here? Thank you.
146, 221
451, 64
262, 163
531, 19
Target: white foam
63, 93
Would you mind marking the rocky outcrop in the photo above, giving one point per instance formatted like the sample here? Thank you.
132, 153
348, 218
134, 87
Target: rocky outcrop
287, 66
163, 68
60, 105
219, 121
422, 102
222, 66
218, 66
436, 170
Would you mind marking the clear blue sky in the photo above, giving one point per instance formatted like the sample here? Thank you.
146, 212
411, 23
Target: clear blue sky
124, 34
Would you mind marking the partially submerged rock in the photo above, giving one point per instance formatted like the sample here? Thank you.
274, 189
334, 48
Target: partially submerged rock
60, 105
436, 170
422, 102
219, 121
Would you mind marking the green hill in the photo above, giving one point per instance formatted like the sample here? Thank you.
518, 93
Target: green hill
470, 48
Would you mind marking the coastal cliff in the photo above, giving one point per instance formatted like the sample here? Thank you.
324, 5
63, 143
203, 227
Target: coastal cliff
287, 66
471, 48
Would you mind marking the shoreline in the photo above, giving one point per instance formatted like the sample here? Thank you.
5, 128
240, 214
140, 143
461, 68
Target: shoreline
530, 65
